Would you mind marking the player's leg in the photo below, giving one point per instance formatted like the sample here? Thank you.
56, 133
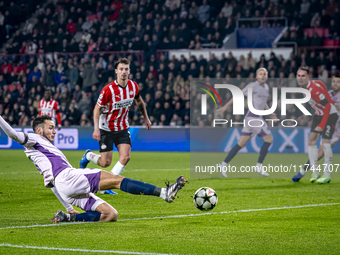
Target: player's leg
75, 186
105, 158
327, 149
313, 155
244, 139
268, 140
96, 210
107, 212
232, 153
263, 131
306, 166
123, 144
312, 148
105, 149
124, 157
77, 182
111, 181
327, 136
246, 133
334, 141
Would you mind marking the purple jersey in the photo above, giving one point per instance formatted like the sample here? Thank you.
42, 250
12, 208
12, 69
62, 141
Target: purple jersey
48, 159
260, 96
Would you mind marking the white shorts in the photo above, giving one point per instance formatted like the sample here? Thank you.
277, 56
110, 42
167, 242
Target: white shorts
76, 187
257, 127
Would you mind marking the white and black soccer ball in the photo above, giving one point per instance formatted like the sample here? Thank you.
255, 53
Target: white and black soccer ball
205, 199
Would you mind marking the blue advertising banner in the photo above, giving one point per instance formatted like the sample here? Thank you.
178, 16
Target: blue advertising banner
286, 140
156, 139
257, 37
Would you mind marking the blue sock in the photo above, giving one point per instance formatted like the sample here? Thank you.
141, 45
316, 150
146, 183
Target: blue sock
139, 188
87, 216
232, 153
306, 167
263, 152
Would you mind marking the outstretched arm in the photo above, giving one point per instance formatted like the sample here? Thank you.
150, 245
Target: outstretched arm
19, 137
225, 107
68, 207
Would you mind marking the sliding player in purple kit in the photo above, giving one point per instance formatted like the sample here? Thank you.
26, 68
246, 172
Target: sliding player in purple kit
260, 96
76, 186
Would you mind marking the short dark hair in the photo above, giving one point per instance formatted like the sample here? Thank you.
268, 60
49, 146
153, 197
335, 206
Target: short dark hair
40, 120
304, 68
124, 61
337, 75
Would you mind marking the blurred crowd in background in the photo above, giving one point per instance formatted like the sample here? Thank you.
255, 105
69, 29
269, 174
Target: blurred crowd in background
71, 47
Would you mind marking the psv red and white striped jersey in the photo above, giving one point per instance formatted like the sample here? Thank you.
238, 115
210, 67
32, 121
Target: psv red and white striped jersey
321, 101
116, 102
50, 108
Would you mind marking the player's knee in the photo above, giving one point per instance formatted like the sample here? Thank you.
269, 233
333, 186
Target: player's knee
113, 216
104, 162
125, 159
241, 144
107, 163
311, 142
269, 140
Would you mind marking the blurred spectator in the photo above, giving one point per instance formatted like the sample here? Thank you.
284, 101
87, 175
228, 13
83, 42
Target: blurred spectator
83, 104
34, 73
89, 76
204, 12
72, 75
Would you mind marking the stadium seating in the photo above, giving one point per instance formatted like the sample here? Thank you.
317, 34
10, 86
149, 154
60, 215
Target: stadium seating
60, 35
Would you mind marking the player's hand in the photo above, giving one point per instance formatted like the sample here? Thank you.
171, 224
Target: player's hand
148, 124
318, 129
59, 127
96, 135
72, 211
337, 107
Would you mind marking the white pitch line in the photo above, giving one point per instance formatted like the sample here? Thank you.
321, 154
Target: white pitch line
181, 216
81, 250
23, 172
132, 170
174, 169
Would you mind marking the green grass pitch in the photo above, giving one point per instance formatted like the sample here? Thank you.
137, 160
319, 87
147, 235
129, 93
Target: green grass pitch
293, 227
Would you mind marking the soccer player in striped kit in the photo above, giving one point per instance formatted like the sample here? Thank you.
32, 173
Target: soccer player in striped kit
48, 106
335, 96
323, 123
110, 117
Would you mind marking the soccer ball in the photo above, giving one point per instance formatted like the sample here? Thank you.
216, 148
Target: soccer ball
205, 199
